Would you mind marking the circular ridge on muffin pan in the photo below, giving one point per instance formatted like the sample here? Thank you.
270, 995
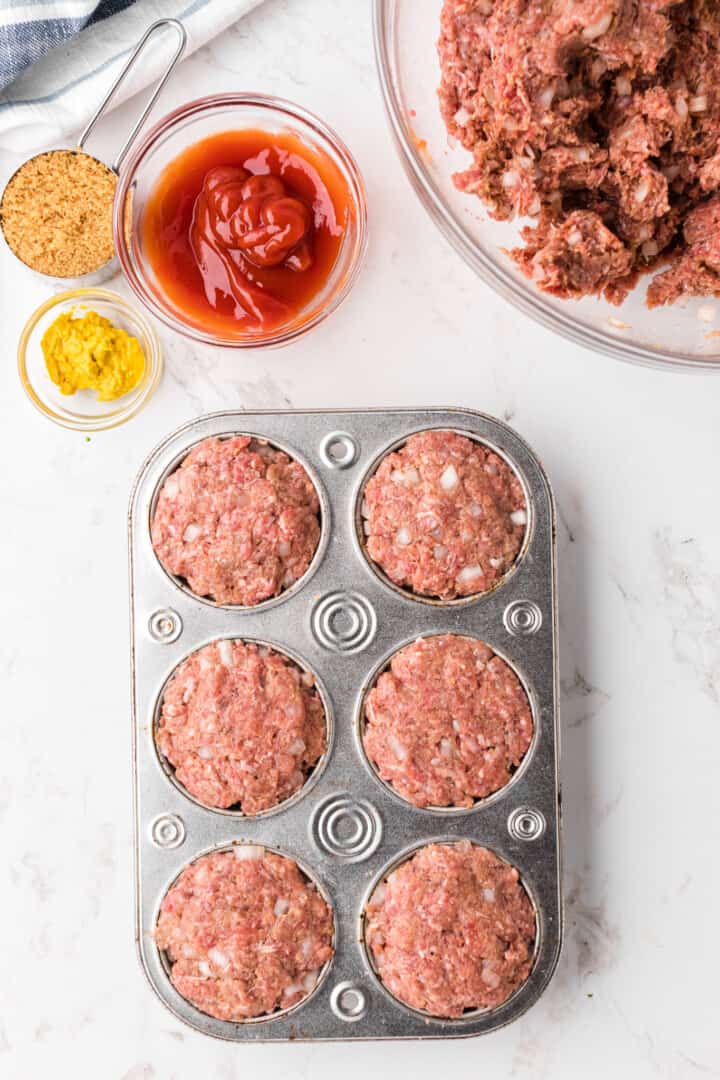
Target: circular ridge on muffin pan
399, 861
312, 775
361, 518
308, 877
479, 802
322, 514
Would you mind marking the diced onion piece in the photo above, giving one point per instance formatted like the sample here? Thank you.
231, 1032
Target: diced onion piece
284, 548
462, 116
379, 895
281, 906
495, 563
510, 179
490, 977
476, 510
681, 107
204, 968
292, 988
247, 852
397, 747
446, 748
469, 573
642, 191
598, 28
574, 238
219, 959
403, 537
489, 895
698, 104
296, 747
623, 86
439, 551
226, 652
449, 479
205, 753
310, 979
650, 249
518, 517
191, 533
365, 509
545, 97
171, 488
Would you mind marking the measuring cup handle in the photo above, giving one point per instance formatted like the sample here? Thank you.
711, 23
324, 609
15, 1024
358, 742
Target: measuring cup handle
182, 40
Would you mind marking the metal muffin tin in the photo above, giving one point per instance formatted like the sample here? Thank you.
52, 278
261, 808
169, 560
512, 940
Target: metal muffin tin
344, 622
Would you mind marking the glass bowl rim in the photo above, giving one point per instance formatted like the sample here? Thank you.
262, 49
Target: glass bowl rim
209, 104
153, 358
493, 273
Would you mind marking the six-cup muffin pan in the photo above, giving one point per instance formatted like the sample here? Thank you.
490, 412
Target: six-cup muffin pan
343, 621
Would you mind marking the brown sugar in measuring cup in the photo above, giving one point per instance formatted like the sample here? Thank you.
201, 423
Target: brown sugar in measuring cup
56, 209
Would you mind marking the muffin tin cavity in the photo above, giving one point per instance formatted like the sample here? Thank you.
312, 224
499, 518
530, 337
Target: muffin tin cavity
343, 622
443, 517
237, 521
400, 697
239, 717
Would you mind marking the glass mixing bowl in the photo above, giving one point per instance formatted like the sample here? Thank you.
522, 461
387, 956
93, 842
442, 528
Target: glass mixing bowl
190, 124
684, 335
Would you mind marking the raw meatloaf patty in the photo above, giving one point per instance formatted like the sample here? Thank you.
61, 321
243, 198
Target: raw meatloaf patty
448, 723
238, 520
242, 726
451, 929
245, 933
600, 119
444, 516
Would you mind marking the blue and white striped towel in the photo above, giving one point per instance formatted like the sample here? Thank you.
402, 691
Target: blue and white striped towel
58, 58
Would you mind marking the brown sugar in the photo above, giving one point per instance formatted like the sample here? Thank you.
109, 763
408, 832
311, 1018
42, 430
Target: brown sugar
56, 213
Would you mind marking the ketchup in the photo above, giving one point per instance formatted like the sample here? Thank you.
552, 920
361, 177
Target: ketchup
242, 230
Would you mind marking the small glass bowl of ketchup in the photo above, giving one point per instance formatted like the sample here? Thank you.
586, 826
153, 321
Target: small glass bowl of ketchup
240, 220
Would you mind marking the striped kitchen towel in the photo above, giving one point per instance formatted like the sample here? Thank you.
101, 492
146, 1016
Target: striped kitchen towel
58, 58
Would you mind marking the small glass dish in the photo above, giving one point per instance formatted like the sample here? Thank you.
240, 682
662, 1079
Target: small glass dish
191, 123
82, 411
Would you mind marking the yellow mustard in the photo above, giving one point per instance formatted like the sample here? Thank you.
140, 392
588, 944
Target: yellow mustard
89, 353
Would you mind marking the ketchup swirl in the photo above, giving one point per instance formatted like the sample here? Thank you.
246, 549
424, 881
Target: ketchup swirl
243, 230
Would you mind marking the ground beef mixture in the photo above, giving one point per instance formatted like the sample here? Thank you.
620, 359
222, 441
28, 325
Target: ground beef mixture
238, 521
245, 933
444, 516
448, 723
452, 929
242, 726
601, 120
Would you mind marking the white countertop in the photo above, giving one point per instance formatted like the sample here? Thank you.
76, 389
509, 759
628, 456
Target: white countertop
633, 457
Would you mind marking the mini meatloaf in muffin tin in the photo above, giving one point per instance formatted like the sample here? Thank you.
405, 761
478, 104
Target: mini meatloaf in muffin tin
447, 723
451, 930
444, 516
245, 933
242, 726
238, 521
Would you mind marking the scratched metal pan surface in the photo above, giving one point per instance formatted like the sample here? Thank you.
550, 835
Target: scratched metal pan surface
343, 621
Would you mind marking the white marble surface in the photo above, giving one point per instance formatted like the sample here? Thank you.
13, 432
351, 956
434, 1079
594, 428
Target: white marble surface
633, 456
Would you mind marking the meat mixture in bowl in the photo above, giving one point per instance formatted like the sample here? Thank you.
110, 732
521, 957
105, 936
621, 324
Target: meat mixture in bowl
451, 930
245, 933
242, 726
600, 119
448, 723
238, 521
444, 516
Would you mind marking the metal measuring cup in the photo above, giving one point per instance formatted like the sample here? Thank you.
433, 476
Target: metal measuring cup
109, 268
